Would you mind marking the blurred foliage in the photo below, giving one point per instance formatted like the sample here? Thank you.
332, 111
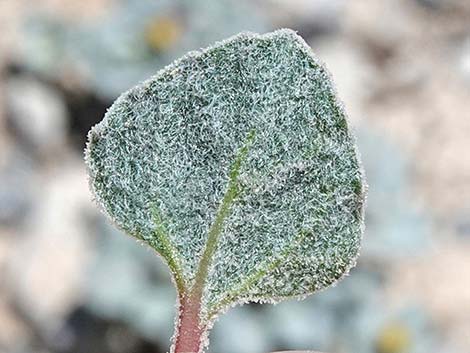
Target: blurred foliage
134, 40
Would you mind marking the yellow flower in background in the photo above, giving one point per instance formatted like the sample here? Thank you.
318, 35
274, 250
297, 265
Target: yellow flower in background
394, 338
162, 33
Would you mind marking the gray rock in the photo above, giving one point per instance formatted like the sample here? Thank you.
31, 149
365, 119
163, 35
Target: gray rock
37, 114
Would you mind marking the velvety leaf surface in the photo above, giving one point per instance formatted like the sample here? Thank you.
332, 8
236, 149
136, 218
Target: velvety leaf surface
246, 141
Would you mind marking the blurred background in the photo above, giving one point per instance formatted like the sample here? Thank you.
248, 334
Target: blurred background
69, 282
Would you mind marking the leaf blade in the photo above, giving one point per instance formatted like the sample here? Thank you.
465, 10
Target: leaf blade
175, 136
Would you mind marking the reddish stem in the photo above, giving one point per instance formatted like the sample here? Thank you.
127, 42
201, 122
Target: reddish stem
189, 332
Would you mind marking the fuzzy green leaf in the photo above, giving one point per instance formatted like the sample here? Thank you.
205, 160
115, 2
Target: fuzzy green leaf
237, 165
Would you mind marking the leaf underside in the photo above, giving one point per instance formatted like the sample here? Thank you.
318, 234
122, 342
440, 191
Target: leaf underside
239, 155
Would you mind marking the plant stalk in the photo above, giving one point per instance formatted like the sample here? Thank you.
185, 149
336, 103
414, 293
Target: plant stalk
189, 331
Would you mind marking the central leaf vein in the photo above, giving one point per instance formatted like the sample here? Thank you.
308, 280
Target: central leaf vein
222, 213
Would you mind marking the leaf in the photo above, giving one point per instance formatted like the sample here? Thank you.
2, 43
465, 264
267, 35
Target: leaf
237, 165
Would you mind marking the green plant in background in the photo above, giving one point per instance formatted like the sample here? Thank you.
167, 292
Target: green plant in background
236, 164
110, 53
